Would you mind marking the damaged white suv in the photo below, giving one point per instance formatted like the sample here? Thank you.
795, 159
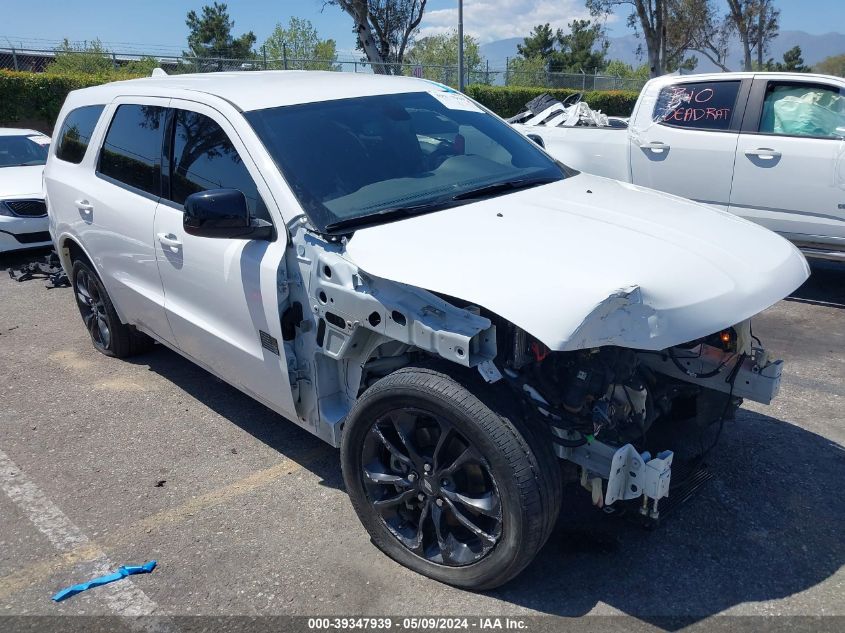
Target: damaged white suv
391, 266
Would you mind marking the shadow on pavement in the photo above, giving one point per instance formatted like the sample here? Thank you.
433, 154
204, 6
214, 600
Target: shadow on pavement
825, 287
265, 425
767, 526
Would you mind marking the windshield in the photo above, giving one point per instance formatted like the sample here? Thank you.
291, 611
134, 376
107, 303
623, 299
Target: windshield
19, 151
364, 160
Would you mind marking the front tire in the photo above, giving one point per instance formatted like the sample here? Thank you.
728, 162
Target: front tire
445, 485
108, 335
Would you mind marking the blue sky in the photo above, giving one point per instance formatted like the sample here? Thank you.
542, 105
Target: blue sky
160, 24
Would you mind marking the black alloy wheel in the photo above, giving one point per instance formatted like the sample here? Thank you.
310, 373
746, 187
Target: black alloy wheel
432, 488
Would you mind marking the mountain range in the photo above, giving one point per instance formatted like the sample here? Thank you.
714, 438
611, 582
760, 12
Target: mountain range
815, 48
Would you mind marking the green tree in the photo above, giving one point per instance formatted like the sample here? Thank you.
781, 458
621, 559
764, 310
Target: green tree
531, 71
211, 35
299, 42
834, 65
143, 66
618, 68
90, 58
793, 62
540, 43
668, 27
438, 54
584, 48
385, 29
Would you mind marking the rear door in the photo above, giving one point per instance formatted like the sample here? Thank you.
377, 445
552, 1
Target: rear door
222, 296
685, 143
790, 160
118, 202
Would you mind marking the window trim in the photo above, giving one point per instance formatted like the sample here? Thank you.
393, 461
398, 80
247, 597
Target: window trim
169, 144
739, 109
757, 102
54, 146
114, 181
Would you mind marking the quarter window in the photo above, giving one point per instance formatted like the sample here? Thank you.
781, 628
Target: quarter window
698, 106
132, 149
809, 110
204, 158
76, 133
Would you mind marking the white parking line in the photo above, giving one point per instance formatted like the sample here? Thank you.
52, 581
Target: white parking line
122, 597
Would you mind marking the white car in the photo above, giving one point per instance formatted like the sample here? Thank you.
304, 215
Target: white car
769, 147
23, 215
390, 266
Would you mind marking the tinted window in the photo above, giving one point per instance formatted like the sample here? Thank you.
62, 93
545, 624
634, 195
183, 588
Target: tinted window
132, 149
698, 106
19, 151
204, 158
76, 131
810, 110
351, 160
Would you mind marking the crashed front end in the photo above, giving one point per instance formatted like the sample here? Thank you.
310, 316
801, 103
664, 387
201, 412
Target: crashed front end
599, 403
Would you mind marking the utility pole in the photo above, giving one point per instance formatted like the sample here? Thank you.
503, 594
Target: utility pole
461, 82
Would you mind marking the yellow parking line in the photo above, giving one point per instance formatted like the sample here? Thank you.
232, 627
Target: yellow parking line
43, 569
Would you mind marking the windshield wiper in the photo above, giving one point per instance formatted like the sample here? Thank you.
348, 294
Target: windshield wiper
386, 215
499, 187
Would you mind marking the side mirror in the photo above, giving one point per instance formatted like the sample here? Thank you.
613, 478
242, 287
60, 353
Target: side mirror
223, 213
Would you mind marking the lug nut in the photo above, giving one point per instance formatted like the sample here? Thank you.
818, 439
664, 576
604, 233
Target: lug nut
427, 468
421, 497
412, 477
439, 502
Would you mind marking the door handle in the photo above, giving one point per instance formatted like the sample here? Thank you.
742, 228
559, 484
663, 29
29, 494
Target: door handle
763, 153
84, 206
170, 241
657, 147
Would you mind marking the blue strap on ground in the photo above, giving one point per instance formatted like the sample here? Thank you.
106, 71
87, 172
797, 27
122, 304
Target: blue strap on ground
123, 572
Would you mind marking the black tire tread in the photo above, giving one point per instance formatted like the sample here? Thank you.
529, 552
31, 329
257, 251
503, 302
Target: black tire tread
126, 341
534, 467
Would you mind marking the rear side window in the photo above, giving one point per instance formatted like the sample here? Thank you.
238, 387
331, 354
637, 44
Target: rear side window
800, 109
132, 148
698, 106
204, 158
73, 138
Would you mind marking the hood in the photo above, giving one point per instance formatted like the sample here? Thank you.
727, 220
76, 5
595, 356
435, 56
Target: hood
21, 182
587, 262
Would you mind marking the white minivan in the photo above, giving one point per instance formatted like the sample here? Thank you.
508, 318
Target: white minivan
389, 265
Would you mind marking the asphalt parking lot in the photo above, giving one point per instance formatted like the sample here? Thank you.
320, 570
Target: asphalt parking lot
110, 462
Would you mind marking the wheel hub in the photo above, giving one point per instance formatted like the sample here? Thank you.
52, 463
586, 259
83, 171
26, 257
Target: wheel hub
431, 487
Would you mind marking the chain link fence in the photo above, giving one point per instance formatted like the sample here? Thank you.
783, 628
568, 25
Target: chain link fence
38, 60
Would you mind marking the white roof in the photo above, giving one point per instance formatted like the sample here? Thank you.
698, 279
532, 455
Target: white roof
254, 90
18, 131
673, 79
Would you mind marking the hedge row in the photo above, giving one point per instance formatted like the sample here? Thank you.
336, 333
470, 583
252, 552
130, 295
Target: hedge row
508, 100
39, 96
28, 96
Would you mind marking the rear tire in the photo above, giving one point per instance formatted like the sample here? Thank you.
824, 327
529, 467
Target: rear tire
475, 526
108, 335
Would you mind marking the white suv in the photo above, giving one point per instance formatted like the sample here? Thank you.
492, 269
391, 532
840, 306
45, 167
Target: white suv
391, 266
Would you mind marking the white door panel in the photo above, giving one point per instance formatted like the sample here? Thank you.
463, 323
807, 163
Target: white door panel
790, 167
690, 163
798, 190
119, 233
684, 136
222, 294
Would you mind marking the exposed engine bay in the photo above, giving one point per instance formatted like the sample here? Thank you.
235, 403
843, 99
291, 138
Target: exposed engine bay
598, 402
